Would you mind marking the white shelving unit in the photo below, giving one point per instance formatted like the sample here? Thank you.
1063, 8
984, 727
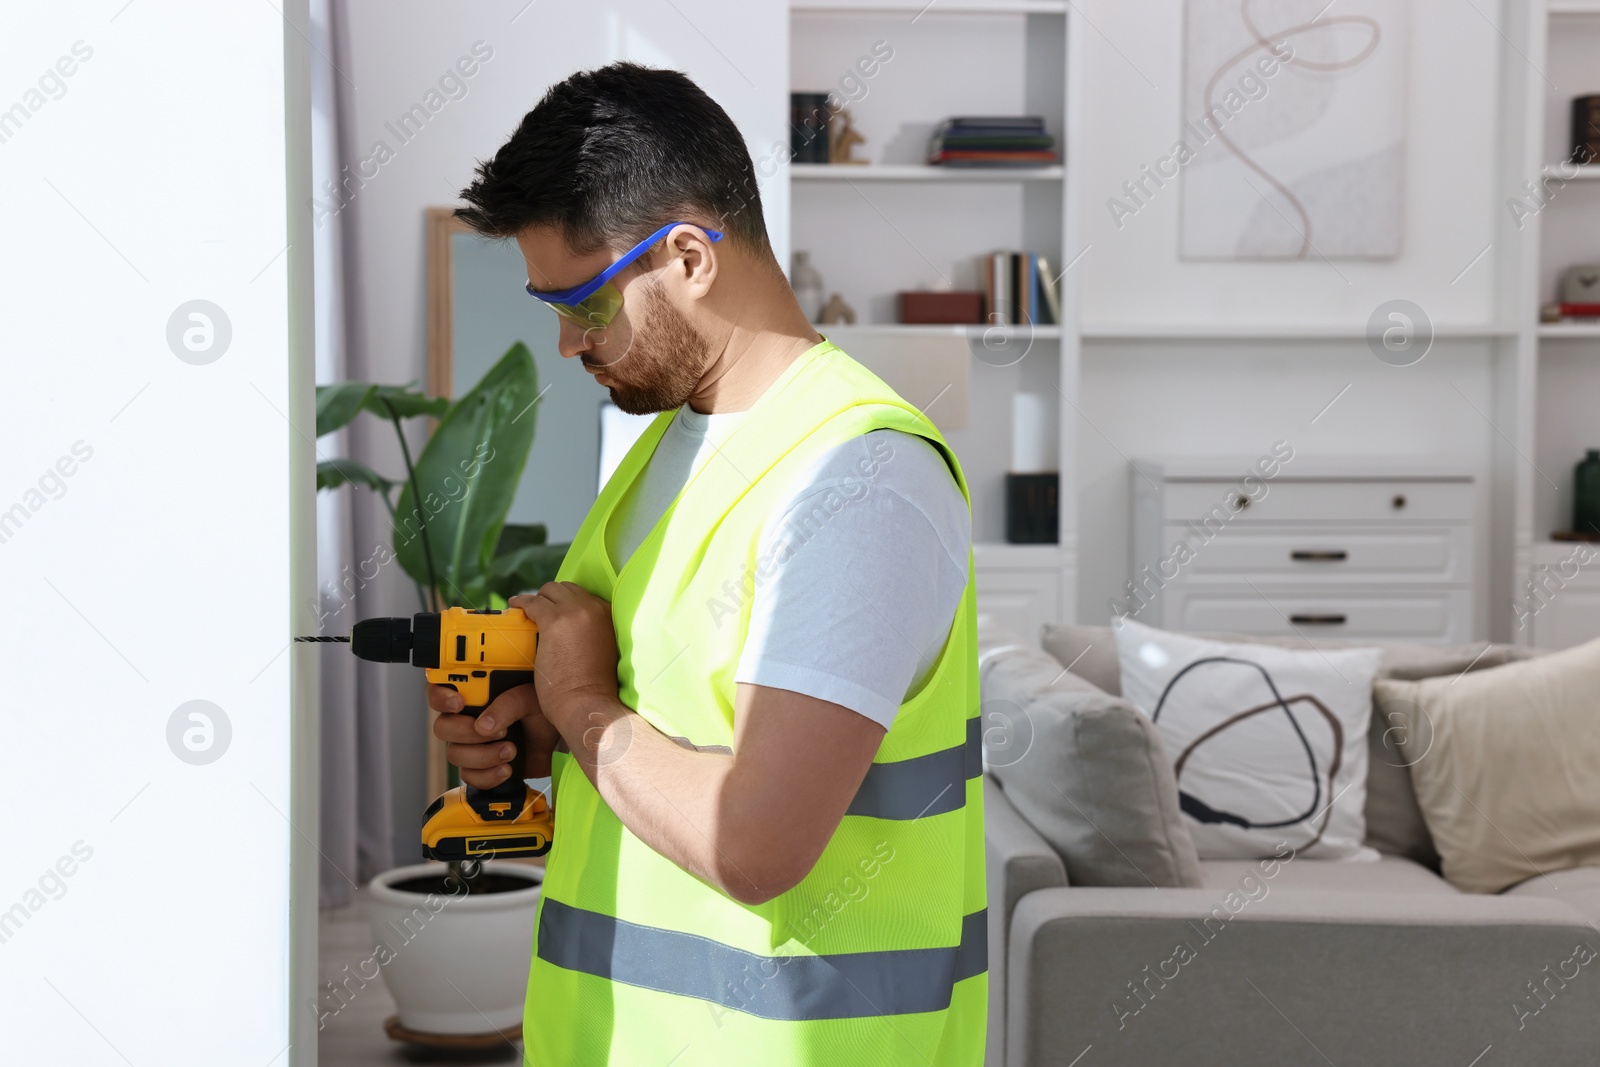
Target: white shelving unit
897, 224
1299, 331
1569, 331
912, 172
920, 8
1558, 370
971, 333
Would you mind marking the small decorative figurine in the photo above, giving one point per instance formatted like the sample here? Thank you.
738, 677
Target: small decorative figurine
836, 311
842, 138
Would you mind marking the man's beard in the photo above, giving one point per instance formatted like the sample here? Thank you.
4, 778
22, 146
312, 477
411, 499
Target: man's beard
663, 363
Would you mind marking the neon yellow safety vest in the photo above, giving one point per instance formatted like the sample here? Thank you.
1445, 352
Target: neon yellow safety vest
879, 955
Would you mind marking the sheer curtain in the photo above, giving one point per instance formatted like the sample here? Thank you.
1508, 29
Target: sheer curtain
356, 820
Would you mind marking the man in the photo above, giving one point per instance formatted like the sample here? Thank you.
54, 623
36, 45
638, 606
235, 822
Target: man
756, 686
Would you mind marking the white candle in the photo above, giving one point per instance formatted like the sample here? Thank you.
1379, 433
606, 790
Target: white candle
1033, 438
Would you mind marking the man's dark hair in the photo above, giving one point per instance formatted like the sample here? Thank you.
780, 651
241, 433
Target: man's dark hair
612, 154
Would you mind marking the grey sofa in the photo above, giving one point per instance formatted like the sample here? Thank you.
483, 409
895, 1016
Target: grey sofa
1320, 962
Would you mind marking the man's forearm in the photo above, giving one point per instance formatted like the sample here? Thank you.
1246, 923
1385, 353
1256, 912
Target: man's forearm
671, 797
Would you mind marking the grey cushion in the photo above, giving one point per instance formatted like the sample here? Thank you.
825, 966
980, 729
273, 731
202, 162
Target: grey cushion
1578, 887
1090, 650
1394, 821
1390, 874
1089, 771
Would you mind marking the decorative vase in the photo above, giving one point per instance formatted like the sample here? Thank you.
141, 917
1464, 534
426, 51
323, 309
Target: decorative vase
1586, 495
482, 942
807, 285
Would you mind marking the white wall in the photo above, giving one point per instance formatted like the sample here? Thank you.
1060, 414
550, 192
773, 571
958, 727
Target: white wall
1133, 274
736, 52
1236, 397
161, 539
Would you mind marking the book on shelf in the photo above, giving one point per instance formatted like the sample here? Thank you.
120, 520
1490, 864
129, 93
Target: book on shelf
995, 122
996, 270
1049, 290
808, 127
1018, 289
992, 141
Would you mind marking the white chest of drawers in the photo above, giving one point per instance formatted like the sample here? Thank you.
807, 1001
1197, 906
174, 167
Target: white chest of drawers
1355, 552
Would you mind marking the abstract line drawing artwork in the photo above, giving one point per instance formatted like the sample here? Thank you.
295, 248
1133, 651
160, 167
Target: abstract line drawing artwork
1314, 818
1304, 162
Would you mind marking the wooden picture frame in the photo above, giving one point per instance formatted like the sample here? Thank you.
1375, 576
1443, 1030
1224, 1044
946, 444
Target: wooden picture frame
441, 226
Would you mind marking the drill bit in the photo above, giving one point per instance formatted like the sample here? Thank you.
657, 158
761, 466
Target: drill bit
325, 640
465, 873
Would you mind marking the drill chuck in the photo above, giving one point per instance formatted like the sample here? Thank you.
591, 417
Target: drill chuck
382, 640
393, 640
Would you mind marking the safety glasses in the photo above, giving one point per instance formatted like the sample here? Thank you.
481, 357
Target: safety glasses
596, 302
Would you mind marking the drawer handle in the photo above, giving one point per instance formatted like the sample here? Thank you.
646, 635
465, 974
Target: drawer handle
1333, 556
1317, 620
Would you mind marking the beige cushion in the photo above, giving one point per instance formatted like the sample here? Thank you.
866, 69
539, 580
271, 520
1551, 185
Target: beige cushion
1087, 770
1387, 874
1504, 765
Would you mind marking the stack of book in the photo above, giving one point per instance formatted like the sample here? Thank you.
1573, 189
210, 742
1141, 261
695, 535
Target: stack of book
1019, 288
992, 141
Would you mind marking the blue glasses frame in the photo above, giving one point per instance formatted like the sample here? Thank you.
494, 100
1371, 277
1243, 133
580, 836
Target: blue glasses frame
578, 293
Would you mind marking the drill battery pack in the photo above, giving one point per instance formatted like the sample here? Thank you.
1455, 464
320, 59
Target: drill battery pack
454, 829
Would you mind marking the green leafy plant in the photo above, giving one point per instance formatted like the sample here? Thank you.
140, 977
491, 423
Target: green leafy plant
449, 522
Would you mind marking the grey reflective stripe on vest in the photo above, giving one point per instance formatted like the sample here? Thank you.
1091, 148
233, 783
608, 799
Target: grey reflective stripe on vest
846, 985
923, 785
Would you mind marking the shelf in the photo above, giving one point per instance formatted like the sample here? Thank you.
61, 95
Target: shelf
1569, 330
924, 7
973, 332
1550, 552
1263, 332
913, 172
1590, 173
1575, 7
1001, 554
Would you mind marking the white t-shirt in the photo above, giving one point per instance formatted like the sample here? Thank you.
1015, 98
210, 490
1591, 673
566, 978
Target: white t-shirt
870, 561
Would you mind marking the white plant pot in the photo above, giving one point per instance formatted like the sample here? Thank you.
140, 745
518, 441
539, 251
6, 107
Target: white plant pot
457, 964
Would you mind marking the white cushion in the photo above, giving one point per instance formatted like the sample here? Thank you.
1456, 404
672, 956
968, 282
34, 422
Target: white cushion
1269, 744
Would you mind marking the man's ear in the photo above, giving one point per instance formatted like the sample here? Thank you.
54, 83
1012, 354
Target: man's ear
694, 260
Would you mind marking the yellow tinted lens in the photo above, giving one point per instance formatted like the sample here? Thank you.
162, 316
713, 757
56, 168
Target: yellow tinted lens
594, 311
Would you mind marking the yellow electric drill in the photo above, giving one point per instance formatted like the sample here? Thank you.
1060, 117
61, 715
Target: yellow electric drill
480, 654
